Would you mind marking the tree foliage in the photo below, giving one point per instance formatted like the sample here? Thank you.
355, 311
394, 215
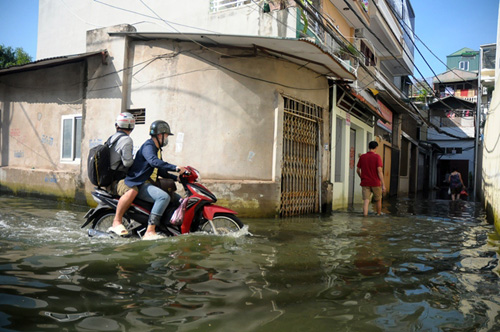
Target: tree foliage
13, 57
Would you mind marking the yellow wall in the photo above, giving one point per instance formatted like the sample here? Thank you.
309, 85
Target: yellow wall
338, 20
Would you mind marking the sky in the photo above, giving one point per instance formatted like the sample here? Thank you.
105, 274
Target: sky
444, 26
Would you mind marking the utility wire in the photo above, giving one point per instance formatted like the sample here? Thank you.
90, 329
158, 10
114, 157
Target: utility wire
417, 37
334, 36
404, 28
366, 26
152, 17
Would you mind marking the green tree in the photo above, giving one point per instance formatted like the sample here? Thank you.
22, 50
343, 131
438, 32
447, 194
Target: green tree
13, 57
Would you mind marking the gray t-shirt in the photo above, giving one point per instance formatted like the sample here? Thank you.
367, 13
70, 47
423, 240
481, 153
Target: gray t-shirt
121, 154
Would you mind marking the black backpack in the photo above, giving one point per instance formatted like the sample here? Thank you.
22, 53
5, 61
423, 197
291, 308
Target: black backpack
98, 164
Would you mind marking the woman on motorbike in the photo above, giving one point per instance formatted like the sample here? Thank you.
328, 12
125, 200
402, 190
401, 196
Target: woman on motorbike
147, 166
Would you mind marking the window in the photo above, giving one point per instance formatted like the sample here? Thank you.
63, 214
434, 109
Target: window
370, 59
71, 133
463, 65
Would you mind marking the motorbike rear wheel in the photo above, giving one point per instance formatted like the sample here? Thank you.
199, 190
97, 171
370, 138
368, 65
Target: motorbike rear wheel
105, 221
224, 223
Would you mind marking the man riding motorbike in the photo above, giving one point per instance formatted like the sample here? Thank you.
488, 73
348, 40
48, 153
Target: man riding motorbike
147, 166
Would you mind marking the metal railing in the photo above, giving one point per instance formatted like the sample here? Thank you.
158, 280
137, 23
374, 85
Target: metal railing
218, 5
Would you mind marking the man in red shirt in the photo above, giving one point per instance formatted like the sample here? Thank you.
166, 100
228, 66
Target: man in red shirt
372, 178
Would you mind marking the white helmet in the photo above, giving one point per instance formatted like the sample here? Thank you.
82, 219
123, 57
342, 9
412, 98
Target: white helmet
125, 121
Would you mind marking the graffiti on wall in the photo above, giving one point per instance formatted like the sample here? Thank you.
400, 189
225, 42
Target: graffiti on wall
46, 140
18, 154
17, 134
50, 179
94, 142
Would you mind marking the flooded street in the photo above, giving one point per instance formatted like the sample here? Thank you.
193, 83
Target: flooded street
423, 266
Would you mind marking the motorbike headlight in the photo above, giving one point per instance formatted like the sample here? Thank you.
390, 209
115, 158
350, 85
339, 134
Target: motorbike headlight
199, 192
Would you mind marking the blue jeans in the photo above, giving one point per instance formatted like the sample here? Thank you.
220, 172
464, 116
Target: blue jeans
155, 195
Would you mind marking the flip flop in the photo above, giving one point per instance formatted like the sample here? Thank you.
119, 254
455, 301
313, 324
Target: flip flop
118, 230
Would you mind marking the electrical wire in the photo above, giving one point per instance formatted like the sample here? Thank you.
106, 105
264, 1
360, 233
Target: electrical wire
418, 50
152, 17
335, 37
397, 101
417, 37
387, 49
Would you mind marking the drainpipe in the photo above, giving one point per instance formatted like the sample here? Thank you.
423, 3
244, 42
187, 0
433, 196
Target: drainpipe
478, 117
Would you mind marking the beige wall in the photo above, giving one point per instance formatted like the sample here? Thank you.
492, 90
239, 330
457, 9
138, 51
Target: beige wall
338, 20
62, 25
225, 123
32, 107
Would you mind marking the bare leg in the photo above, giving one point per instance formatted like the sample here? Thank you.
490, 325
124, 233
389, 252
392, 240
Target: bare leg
123, 204
366, 205
151, 230
378, 206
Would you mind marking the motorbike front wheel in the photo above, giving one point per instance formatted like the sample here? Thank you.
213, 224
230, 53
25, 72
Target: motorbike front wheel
224, 223
105, 221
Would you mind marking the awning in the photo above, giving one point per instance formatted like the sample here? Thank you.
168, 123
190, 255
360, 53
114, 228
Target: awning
359, 103
304, 52
452, 103
52, 62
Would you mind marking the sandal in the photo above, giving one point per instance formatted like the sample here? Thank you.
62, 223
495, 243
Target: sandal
118, 230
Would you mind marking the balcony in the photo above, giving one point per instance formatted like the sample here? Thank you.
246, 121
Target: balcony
392, 23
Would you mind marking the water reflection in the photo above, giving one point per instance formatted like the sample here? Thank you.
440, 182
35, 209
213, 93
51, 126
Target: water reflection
424, 265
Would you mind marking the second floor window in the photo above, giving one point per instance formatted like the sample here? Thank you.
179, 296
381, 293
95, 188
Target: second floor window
463, 65
370, 59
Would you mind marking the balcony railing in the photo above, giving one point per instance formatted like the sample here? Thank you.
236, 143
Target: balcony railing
218, 5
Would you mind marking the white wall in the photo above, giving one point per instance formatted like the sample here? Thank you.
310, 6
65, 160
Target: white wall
341, 189
62, 24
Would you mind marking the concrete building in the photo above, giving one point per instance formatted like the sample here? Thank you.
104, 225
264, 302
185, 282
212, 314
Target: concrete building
260, 97
465, 59
490, 183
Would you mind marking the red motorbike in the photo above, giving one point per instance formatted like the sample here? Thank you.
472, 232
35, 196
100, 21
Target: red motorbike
195, 212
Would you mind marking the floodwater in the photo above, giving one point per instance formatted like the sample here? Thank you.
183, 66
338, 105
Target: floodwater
423, 266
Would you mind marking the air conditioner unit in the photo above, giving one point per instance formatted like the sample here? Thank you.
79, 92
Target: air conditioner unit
359, 33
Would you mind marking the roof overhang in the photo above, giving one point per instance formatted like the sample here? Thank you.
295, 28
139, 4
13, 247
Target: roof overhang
452, 103
455, 75
52, 62
359, 103
304, 52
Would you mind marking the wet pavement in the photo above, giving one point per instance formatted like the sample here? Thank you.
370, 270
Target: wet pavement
426, 265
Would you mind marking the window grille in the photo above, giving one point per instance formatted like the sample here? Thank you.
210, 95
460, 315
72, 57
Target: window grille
218, 5
300, 179
139, 115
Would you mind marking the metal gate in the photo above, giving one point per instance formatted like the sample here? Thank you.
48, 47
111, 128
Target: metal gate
301, 167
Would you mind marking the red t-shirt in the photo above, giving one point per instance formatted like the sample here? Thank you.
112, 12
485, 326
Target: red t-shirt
369, 162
